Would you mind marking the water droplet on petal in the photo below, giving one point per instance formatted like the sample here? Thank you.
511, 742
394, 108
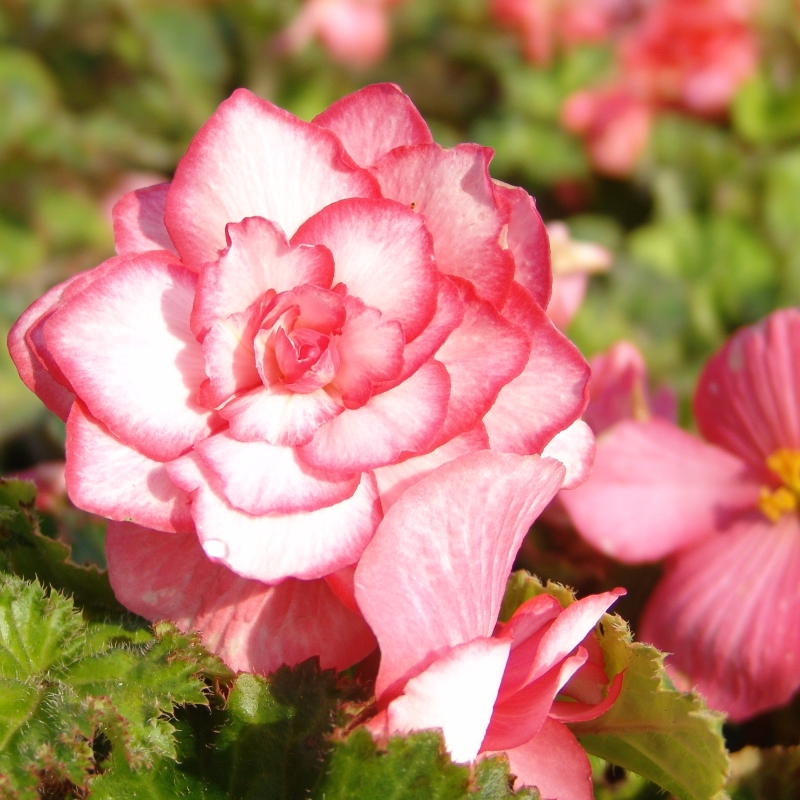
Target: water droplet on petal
214, 548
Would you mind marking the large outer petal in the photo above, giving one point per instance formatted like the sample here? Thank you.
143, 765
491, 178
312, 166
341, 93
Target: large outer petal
528, 242
456, 693
270, 548
554, 763
403, 419
373, 121
252, 627
453, 191
748, 395
110, 478
139, 221
254, 159
383, 255
654, 489
124, 344
728, 610
448, 544
549, 394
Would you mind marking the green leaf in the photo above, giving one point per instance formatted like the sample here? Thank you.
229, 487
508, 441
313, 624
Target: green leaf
765, 774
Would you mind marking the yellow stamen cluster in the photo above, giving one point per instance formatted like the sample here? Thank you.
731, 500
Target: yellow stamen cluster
785, 463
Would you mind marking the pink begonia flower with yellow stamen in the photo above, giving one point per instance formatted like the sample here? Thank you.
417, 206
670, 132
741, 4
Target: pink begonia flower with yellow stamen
430, 584
724, 512
572, 263
310, 318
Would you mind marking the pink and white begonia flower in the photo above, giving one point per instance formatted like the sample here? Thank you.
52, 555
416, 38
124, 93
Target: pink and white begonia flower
307, 320
724, 512
431, 583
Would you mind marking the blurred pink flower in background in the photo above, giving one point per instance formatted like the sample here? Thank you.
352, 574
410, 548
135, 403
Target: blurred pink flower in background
431, 583
724, 512
572, 263
50, 484
354, 32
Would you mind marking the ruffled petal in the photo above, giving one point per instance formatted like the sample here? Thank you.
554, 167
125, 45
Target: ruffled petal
727, 610
252, 159
124, 344
454, 193
383, 255
748, 395
654, 489
457, 532
111, 479
456, 694
260, 478
404, 419
250, 626
139, 221
270, 548
549, 394
373, 121
258, 258
575, 448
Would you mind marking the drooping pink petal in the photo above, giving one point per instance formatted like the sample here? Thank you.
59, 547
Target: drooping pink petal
394, 479
452, 190
252, 159
552, 388
125, 345
373, 121
371, 351
554, 763
528, 241
279, 415
111, 479
727, 609
403, 419
272, 547
383, 255
456, 694
139, 221
250, 626
482, 355
748, 395
575, 448
457, 532
260, 478
258, 258
654, 489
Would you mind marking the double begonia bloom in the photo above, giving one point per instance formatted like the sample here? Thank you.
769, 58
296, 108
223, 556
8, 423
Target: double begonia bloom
724, 512
431, 583
307, 320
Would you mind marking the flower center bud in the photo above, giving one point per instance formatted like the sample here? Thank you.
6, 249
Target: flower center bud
774, 503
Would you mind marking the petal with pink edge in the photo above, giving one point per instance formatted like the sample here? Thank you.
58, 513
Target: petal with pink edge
394, 479
253, 159
482, 355
139, 221
258, 258
270, 548
250, 626
404, 419
554, 763
260, 478
654, 489
383, 254
373, 121
748, 395
727, 609
527, 240
575, 448
124, 344
111, 479
457, 532
549, 394
456, 694
452, 190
